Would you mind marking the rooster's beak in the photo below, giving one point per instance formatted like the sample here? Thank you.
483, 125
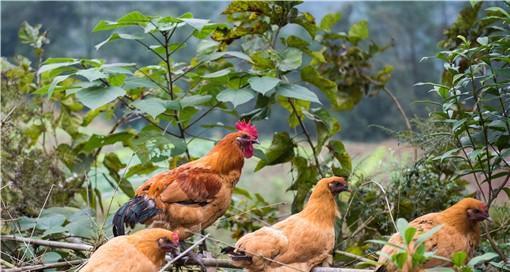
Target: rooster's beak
255, 141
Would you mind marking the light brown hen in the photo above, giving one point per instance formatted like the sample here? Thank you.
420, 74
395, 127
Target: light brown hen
460, 231
143, 251
298, 243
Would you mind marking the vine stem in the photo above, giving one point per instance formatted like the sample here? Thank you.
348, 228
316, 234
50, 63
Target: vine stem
307, 135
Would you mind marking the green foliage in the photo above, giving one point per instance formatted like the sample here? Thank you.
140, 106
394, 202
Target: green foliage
152, 112
474, 100
411, 254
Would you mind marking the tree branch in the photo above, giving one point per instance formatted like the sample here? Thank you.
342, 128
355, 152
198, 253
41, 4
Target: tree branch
55, 244
40, 267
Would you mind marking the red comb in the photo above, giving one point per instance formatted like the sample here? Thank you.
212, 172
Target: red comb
175, 237
248, 128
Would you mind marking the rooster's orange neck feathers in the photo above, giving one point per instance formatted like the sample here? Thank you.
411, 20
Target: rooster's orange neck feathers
226, 155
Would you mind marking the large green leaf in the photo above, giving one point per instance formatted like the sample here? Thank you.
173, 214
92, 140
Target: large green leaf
117, 36
329, 21
219, 73
290, 59
235, 54
91, 74
264, 84
133, 18
341, 155
95, 97
297, 92
328, 87
151, 105
280, 151
236, 97
306, 178
358, 31
194, 100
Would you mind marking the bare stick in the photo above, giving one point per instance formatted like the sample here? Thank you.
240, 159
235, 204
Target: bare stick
74, 246
308, 138
183, 253
44, 266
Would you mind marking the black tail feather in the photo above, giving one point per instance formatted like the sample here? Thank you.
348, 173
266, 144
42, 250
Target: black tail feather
136, 210
235, 255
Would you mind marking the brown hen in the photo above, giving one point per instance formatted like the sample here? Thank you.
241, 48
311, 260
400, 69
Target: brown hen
460, 231
143, 251
298, 243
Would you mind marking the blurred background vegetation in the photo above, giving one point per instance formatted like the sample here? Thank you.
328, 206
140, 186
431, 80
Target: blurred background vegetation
411, 29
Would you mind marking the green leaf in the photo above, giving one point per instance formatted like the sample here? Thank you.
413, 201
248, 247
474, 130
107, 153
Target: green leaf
280, 151
328, 87
55, 82
197, 24
341, 155
358, 31
483, 40
95, 97
263, 84
402, 226
53, 66
91, 74
97, 141
236, 97
297, 92
290, 59
151, 105
409, 235
399, 259
329, 21
194, 100
425, 236
138, 82
82, 227
459, 258
482, 258
51, 257
133, 18
235, 54
219, 73
117, 36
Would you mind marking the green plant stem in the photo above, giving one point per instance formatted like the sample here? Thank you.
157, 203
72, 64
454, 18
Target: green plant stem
150, 49
472, 167
307, 135
484, 130
171, 91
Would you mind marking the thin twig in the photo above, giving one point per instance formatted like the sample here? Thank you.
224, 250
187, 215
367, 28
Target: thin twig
403, 114
307, 135
203, 115
354, 256
39, 267
48, 243
150, 49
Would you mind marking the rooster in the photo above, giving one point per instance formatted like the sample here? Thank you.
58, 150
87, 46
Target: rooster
143, 251
191, 197
460, 231
298, 243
